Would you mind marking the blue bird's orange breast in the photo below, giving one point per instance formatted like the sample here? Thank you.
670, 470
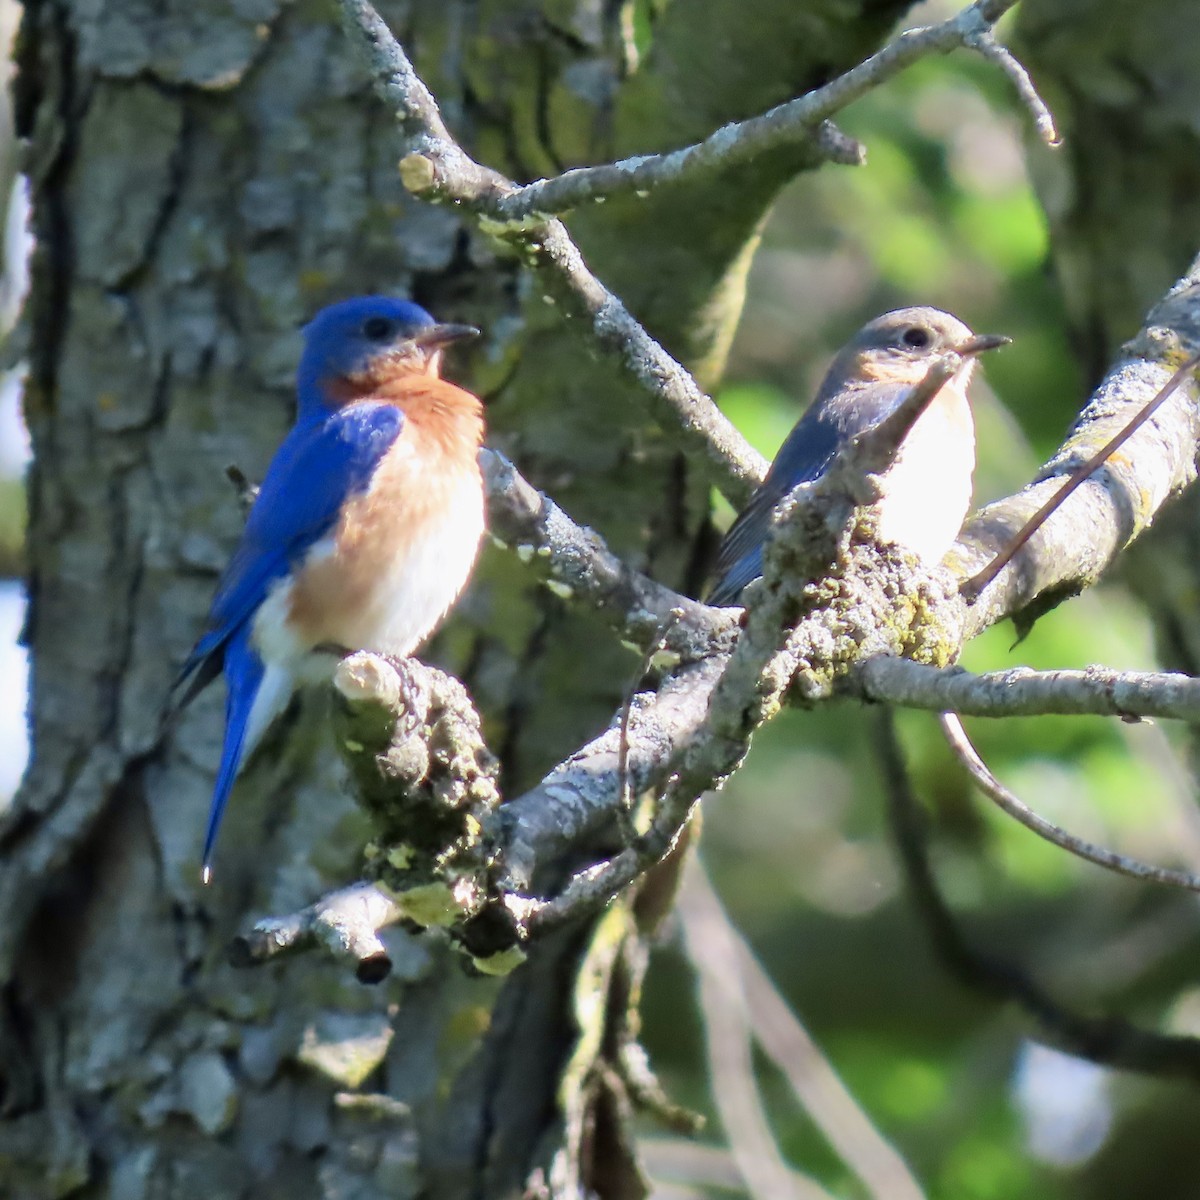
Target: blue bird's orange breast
402, 549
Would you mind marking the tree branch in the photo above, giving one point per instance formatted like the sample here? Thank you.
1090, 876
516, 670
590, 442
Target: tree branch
437, 168
712, 952
830, 599
345, 922
778, 1031
1111, 1041
1007, 802
1024, 692
591, 889
1000, 56
574, 562
1082, 537
797, 122
973, 586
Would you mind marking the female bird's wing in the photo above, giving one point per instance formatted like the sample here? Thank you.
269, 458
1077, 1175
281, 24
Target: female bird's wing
804, 456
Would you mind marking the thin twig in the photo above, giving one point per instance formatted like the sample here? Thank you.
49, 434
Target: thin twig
971, 588
991, 787
1110, 1041
730, 146
595, 886
785, 1041
727, 1039
793, 123
874, 450
1000, 56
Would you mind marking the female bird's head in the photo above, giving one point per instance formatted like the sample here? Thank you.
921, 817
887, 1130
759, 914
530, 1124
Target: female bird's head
355, 348
900, 346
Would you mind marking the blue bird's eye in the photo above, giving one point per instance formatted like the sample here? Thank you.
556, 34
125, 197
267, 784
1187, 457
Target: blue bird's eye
916, 338
377, 329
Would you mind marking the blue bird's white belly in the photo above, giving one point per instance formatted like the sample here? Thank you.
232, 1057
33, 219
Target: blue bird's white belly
927, 491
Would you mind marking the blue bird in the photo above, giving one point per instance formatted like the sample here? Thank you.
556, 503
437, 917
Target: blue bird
927, 491
365, 528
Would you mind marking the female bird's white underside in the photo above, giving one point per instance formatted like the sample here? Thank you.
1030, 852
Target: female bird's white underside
927, 491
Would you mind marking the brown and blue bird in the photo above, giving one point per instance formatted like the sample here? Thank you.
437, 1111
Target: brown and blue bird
365, 528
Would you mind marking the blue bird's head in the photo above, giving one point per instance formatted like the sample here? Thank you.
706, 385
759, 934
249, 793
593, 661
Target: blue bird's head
358, 345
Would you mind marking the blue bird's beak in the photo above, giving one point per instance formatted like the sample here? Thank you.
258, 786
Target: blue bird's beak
434, 337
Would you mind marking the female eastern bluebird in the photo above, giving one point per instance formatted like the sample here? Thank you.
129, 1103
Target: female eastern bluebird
364, 531
926, 492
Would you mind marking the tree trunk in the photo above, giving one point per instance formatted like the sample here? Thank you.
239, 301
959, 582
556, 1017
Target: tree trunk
205, 177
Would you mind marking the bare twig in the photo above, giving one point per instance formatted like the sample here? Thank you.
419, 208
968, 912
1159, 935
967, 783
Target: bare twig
1000, 56
973, 586
727, 1038
345, 922
1111, 1041
648, 1094
872, 452
594, 887
685, 1169
796, 122
814, 1082
730, 146
1023, 692
995, 791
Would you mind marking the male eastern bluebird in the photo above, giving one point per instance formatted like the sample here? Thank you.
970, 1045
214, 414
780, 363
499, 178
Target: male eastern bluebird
365, 528
926, 492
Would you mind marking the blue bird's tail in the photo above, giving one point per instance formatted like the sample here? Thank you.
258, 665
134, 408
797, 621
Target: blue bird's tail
244, 672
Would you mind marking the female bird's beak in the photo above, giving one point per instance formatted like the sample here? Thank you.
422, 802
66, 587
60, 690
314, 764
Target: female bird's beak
977, 343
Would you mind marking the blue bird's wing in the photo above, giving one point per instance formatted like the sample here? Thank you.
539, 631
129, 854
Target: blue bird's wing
318, 465
804, 456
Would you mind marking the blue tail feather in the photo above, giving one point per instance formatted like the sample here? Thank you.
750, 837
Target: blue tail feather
729, 587
243, 676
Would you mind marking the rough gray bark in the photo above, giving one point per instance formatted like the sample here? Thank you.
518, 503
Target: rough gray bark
205, 177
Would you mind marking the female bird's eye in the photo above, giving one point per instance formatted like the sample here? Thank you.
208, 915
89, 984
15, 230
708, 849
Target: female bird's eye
916, 338
376, 329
